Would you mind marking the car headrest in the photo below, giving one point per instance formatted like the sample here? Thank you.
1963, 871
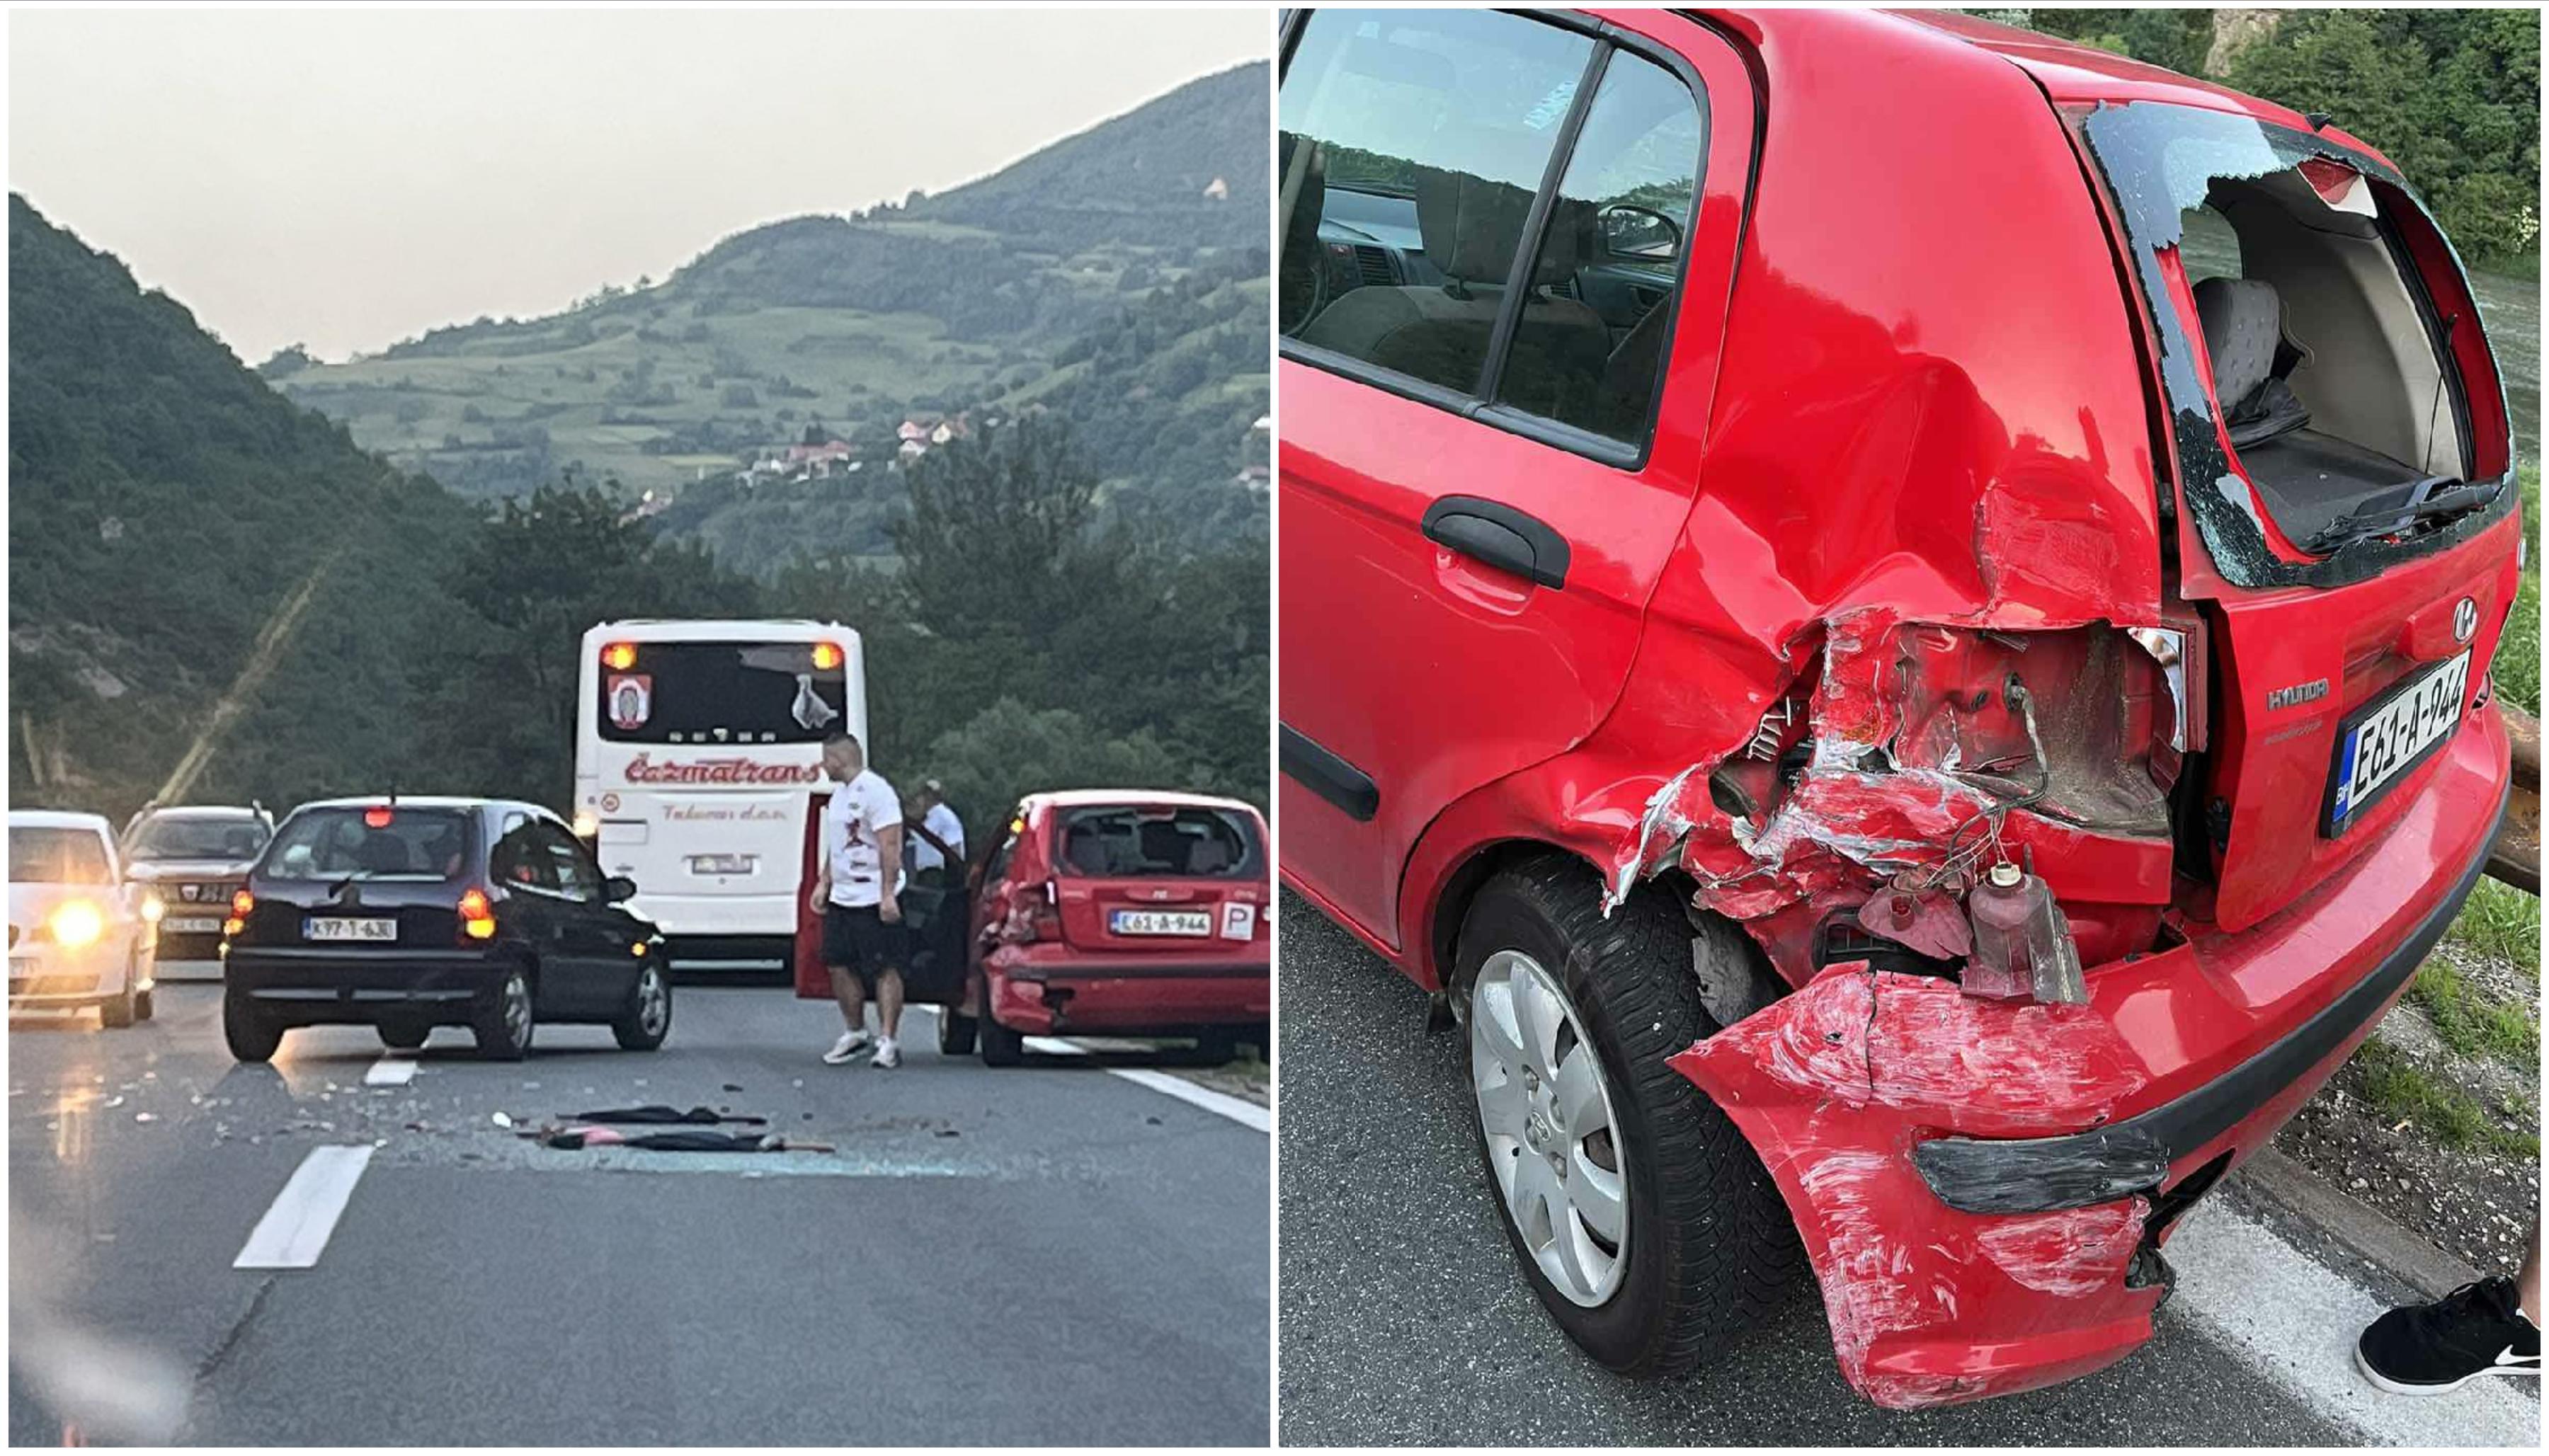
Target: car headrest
1211, 856
1084, 849
1472, 226
2243, 323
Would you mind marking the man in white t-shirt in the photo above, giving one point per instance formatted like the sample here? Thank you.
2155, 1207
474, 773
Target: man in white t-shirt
854, 893
939, 820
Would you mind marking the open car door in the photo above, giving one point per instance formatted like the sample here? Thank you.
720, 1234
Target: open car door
935, 919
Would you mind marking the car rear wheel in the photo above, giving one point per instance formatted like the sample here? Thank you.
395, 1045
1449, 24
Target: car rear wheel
1641, 1217
649, 1016
1002, 1047
955, 1032
504, 1030
1217, 1048
251, 1034
405, 1038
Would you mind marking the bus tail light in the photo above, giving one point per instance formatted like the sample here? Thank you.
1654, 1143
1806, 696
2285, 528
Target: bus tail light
620, 656
477, 915
827, 656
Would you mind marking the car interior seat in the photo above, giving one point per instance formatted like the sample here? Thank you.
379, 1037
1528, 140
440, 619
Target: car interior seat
2253, 358
1211, 855
1472, 229
1164, 849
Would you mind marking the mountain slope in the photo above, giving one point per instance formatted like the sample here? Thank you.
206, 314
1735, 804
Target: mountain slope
975, 299
164, 510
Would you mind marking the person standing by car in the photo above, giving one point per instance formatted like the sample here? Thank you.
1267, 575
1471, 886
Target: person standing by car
855, 893
940, 849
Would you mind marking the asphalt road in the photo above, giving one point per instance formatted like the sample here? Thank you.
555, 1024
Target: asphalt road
1405, 1320
1045, 1254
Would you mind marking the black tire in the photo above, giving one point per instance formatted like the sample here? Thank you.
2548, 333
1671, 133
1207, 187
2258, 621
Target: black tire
117, 1014
403, 1037
955, 1032
143, 1005
251, 1034
636, 1030
1711, 1246
1002, 1047
504, 1030
1217, 1049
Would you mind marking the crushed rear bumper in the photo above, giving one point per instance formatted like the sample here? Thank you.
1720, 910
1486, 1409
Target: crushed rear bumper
1983, 1187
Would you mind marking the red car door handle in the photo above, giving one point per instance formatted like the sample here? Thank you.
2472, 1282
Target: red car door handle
1498, 535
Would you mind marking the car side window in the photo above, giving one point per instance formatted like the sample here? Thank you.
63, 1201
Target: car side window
1413, 144
520, 861
577, 876
1589, 348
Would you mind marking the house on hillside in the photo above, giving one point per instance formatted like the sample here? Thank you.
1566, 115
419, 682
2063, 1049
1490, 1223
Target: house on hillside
1255, 479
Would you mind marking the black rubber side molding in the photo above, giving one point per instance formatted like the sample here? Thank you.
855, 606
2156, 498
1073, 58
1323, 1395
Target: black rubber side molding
1495, 533
1327, 776
2025, 1175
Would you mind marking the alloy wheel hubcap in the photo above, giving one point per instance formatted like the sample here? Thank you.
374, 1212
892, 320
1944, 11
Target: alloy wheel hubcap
652, 1003
1545, 1105
517, 1011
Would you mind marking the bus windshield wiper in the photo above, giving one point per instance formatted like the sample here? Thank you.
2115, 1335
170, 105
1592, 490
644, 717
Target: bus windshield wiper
2435, 497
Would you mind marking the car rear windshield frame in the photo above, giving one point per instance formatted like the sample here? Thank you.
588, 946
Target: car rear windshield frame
1247, 865
448, 832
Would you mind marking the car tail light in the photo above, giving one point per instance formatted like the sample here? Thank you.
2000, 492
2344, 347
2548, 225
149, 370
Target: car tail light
477, 915
242, 902
1032, 914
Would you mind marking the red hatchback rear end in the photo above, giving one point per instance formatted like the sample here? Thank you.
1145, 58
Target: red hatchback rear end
1125, 912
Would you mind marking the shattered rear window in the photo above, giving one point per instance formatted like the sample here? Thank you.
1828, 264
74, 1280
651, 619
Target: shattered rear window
2169, 169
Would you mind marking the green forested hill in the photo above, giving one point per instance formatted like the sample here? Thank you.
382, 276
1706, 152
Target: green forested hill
174, 523
163, 508
1011, 289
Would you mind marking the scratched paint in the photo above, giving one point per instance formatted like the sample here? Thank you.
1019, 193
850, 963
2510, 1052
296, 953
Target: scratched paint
1861, 1036
2069, 1252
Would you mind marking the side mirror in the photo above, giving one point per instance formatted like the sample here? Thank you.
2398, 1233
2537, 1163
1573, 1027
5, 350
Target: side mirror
616, 888
1642, 234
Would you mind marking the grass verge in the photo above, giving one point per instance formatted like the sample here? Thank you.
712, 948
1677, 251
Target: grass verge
2398, 1088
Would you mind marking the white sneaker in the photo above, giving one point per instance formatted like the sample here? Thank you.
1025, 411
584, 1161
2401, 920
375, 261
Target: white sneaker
887, 1054
850, 1044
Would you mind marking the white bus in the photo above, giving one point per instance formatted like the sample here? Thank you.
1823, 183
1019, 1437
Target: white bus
697, 746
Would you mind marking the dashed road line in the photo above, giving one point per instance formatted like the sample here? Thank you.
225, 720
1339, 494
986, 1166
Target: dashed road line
390, 1071
2295, 1321
295, 1230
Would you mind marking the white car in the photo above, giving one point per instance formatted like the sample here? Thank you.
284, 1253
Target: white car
79, 935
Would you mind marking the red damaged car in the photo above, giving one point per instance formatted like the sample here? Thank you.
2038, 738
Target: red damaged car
1119, 912
1895, 614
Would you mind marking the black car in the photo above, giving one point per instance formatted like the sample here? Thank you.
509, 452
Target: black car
407, 914
192, 858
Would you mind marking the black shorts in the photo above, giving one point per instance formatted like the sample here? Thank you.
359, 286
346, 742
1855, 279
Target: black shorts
857, 940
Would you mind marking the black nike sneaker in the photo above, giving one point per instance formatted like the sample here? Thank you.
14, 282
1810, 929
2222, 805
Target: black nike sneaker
2427, 1349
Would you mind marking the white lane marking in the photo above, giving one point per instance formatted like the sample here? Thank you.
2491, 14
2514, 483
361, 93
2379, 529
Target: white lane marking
2296, 1322
1237, 1109
294, 1232
390, 1071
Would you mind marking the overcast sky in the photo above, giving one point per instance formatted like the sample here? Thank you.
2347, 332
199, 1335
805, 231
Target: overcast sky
348, 179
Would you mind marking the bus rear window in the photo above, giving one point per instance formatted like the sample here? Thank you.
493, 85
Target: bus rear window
1158, 844
354, 843
721, 693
